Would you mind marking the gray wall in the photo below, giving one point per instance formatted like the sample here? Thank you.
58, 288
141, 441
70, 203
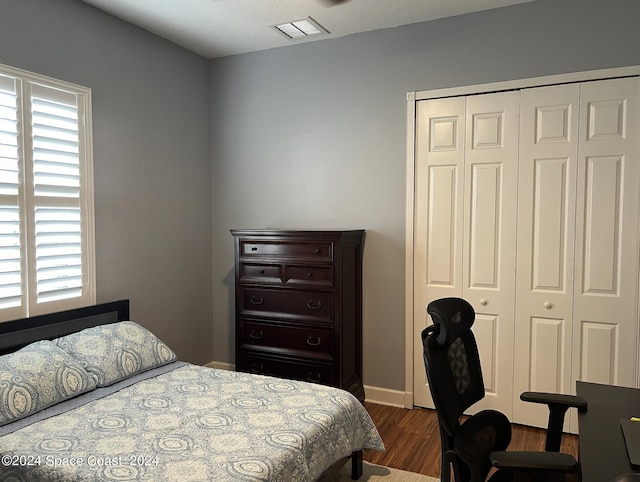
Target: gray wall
308, 136
151, 158
314, 135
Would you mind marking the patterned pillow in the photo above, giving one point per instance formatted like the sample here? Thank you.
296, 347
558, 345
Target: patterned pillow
116, 351
36, 377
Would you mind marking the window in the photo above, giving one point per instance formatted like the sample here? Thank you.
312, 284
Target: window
46, 195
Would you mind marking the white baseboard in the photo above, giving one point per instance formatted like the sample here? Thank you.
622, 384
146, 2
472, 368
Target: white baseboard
381, 396
385, 396
221, 366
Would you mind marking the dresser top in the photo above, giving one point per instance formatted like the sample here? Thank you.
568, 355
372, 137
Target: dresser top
296, 233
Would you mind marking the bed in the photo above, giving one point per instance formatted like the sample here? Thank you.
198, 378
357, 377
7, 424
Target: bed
89, 395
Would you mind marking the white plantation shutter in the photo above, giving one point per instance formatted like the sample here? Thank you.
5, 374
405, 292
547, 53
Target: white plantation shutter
11, 271
56, 191
46, 205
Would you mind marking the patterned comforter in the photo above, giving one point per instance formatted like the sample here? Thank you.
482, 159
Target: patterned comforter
184, 423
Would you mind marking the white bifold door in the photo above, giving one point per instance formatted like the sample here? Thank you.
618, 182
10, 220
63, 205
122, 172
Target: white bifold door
466, 175
526, 204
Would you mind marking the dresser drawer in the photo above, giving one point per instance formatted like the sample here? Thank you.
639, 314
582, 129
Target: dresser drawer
315, 342
308, 275
286, 368
260, 273
316, 251
286, 303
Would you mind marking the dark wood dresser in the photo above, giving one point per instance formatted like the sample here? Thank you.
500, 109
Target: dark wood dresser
299, 305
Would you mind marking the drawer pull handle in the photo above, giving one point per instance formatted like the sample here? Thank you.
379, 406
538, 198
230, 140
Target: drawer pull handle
309, 275
312, 342
254, 248
312, 306
312, 379
318, 251
257, 368
256, 335
261, 271
257, 301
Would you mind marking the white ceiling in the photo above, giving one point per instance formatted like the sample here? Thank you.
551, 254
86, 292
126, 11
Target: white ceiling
217, 28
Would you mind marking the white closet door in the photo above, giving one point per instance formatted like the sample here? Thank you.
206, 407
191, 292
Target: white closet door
438, 217
605, 336
554, 171
546, 218
466, 181
489, 249
578, 208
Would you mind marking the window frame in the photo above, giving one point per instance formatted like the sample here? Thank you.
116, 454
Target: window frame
30, 305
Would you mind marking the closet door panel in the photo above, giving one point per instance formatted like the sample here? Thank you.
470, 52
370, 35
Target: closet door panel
602, 227
491, 167
440, 140
486, 333
606, 274
484, 241
547, 348
546, 220
549, 230
440, 252
599, 351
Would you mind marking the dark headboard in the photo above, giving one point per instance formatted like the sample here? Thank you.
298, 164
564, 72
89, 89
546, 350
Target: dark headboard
18, 333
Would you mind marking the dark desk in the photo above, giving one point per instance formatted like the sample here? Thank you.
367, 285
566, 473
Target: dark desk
603, 453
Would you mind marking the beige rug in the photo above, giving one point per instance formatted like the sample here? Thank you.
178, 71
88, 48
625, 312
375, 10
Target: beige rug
378, 473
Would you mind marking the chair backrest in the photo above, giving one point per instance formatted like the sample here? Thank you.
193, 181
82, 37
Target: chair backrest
451, 360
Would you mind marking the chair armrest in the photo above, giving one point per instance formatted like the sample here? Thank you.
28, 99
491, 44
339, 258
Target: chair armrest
555, 399
558, 405
551, 461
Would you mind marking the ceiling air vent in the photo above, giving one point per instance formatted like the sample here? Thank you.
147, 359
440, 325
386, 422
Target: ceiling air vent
299, 29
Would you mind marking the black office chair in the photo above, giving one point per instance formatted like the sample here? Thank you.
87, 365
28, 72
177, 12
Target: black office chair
476, 446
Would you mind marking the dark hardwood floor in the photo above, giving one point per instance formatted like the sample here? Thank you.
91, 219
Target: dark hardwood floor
412, 439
